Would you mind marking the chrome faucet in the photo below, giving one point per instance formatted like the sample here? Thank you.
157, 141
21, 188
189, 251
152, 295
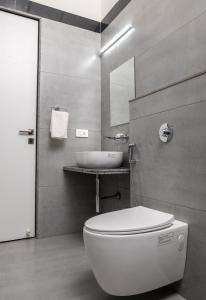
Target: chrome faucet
166, 133
118, 137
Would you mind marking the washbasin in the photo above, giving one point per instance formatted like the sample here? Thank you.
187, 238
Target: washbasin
99, 159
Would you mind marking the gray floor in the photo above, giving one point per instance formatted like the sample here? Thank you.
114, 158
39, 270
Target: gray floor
53, 268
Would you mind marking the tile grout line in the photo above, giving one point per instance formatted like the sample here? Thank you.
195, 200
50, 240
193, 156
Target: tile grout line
171, 204
168, 86
167, 110
69, 76
71, 129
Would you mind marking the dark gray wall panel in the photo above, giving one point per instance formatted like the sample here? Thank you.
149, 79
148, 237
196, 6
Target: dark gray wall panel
8, 3
48, 12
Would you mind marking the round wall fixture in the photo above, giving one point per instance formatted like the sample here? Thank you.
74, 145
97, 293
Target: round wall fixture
165, 133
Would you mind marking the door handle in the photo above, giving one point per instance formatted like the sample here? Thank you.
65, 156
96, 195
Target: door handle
26, 132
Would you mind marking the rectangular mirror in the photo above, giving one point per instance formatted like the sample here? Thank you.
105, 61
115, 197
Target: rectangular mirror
122, 89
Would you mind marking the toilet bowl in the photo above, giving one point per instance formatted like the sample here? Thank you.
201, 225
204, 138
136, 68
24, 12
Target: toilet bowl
135, 250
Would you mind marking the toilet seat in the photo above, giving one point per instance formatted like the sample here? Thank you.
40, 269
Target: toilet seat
129, 221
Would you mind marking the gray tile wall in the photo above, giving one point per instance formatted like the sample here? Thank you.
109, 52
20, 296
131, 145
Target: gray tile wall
171, 177
169, 46
69, 78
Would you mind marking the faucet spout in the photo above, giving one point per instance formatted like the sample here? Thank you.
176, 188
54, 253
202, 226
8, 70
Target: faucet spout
118, 137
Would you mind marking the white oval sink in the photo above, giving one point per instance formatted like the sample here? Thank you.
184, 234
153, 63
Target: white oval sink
99, 159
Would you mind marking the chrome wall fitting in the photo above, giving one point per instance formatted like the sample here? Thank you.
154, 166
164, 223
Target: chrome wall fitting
131, 154
119, 137
165, 133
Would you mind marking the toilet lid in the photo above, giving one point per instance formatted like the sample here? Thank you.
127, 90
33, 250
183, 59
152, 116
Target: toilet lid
129, 221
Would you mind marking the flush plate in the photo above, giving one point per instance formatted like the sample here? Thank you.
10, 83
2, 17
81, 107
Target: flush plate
82, 133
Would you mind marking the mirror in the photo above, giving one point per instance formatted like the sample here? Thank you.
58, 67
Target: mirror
122, 89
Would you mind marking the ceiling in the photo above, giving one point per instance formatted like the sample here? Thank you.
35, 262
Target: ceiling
92, 9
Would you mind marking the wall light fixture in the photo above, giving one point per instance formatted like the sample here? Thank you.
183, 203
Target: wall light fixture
116, 38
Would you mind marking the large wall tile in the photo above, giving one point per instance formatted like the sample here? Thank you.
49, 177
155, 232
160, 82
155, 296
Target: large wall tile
63, 210
55, 154
153, 21
178, 56
69, 50
173, 172
79, 96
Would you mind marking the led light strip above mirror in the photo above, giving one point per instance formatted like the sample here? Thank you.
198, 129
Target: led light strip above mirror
127, 29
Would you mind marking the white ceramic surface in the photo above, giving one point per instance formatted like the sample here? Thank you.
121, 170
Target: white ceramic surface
18, 82
99, 159
130, 264
136, 219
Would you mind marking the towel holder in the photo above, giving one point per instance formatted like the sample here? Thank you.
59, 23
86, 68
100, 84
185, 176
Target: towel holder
58, 108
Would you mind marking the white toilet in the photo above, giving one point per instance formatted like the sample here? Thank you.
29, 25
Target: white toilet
135, 250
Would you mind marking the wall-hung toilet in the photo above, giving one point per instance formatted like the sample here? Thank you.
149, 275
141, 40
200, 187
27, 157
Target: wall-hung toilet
135, 250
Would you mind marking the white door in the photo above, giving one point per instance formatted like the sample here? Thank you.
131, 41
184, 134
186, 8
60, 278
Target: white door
18, 98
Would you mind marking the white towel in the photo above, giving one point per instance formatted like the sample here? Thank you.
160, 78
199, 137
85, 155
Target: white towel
59, 124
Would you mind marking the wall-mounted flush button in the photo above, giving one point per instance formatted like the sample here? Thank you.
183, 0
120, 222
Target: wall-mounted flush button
181, 242
82, 133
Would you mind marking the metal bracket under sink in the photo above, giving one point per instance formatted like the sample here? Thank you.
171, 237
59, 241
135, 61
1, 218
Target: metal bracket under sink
98, 173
